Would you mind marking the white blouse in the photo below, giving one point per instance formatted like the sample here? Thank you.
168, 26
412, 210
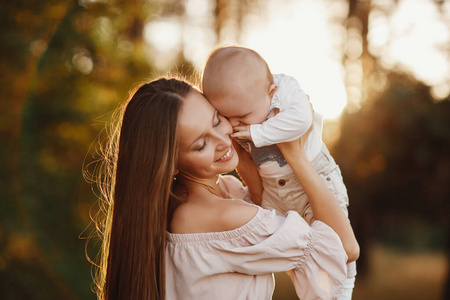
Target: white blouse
238, 264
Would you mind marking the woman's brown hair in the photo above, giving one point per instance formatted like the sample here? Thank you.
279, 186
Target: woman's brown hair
142, 163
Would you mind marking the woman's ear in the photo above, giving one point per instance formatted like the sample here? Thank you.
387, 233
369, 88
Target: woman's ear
176, 172
272, 89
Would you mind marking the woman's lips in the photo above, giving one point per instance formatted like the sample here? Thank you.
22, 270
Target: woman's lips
227, 156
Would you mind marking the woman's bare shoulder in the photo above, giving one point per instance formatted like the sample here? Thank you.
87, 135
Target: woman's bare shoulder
233, 214
223, 215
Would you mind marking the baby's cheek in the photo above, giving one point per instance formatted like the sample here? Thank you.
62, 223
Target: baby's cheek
254, 120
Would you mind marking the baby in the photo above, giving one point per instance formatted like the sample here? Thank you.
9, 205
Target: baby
265, 109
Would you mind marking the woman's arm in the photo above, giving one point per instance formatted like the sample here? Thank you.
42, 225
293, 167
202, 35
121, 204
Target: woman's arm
323, 203
248, 171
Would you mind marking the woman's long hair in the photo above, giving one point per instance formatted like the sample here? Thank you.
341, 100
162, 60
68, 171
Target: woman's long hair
142, 162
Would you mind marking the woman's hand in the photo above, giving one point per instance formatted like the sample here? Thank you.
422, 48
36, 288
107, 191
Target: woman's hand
294, 147
248, 172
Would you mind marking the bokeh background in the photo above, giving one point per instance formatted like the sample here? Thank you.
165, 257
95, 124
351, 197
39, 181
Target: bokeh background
379, 71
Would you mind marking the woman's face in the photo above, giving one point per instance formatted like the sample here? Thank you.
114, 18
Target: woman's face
205, 148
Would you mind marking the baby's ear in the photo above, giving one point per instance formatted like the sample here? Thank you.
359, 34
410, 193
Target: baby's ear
272, 89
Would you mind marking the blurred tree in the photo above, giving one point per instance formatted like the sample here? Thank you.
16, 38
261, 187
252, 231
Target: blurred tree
366, 81
229, 17
394, 156
357, 60
66, 63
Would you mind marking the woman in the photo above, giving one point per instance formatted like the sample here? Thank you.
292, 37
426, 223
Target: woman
177, 230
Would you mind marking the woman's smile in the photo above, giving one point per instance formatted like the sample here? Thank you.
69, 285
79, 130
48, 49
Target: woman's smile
227, 156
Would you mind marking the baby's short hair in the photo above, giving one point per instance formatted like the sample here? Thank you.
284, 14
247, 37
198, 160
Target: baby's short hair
219, 62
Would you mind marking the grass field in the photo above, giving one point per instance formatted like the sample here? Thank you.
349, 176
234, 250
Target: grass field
393, 275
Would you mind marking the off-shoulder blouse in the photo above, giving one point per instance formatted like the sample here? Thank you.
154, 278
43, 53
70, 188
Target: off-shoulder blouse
238, 264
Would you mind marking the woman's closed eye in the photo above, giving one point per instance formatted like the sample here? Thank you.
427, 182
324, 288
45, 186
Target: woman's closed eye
219, 120
217, 123
201, 147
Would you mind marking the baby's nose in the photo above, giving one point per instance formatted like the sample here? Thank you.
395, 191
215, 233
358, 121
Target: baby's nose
234, 121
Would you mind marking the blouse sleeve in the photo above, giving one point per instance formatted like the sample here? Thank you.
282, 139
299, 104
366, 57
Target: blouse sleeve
323, 272
234, 188
314, 253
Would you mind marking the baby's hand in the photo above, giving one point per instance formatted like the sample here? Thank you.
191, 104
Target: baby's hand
242, 131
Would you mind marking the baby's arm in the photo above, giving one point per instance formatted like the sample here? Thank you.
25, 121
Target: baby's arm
248, 171
293, 119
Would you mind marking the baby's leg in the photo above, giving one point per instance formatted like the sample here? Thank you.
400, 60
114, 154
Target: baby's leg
349, 284
283, 193
330, 173
269, 196
327, 168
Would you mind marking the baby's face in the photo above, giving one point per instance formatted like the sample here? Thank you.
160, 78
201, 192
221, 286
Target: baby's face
243, 105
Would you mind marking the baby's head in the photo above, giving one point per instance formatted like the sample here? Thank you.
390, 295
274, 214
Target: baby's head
238, 83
